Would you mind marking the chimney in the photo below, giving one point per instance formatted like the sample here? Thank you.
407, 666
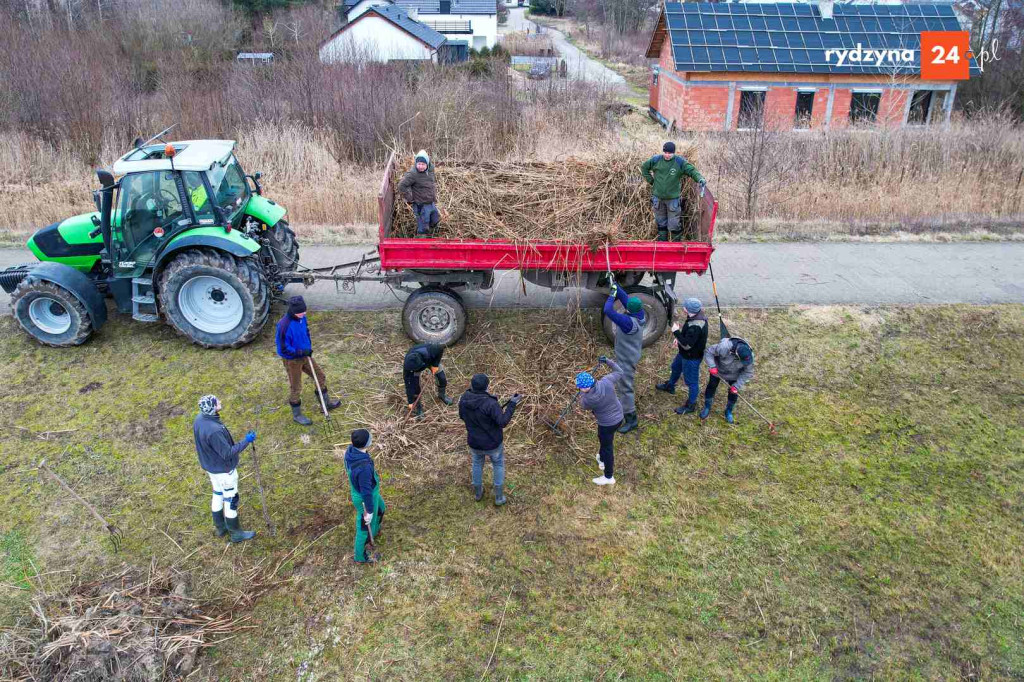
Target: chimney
825, 7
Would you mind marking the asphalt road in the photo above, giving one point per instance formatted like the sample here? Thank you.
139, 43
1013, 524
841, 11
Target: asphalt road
748, 275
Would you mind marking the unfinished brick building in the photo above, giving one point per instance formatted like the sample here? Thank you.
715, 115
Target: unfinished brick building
729, 65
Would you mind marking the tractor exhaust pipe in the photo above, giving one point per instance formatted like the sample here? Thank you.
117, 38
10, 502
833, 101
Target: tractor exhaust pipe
106, 203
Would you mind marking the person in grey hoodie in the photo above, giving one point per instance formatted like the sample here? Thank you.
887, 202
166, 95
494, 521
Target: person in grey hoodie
732, 361
599, 397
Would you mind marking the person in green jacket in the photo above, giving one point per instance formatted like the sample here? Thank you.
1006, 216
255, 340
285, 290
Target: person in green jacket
665, 173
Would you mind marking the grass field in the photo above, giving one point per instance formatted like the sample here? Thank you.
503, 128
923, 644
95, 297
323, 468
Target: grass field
878, 535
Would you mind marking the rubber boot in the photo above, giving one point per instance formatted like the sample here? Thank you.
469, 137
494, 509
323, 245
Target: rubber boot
728, 412
686, 409
478, 492
668, 387
418, 412
218, 521
371, 558
499, 495
707, 409
298, 417
629, 423
662, 235
443, 397
236, 533
331, 403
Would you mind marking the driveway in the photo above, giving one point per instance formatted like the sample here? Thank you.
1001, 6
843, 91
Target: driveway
748, 275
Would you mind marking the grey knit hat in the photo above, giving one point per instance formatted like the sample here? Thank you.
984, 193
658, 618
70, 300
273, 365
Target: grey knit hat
692, 305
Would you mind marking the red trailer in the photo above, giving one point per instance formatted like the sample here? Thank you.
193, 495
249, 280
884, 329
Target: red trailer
434, 271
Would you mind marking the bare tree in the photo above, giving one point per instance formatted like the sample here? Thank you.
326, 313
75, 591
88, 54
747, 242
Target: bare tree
756, 156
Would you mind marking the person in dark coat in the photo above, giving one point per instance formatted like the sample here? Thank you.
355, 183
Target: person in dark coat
419, 188
730, 360
364, 487
421, 357
691, 338
485, 420
218, 455
295, 348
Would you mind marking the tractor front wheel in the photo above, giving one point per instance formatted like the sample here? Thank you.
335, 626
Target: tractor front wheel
50, 313
214, 298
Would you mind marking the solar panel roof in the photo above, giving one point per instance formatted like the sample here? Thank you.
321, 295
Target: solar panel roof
794, 38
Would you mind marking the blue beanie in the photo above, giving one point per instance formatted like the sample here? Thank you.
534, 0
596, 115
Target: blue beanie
584, 380
692, 305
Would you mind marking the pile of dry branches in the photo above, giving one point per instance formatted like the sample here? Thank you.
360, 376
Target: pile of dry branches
522, 44
127, 626
574, 201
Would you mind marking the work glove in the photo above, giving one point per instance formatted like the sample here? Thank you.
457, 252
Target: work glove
603, 359
517, 398
367, 518
701, 186
734, 390
676, 327
250, 436
614, 290
713, 371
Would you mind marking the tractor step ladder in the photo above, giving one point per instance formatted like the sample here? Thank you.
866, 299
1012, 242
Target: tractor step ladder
144, 300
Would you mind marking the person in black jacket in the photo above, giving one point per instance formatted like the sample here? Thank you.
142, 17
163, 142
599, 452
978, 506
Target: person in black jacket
419, 358
485, 420
691, 339
218, 455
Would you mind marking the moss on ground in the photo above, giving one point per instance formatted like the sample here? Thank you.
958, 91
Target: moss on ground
877, 535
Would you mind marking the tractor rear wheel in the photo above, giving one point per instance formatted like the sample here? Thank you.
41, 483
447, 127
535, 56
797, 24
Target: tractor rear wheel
657, 316
50, 313
214, 298
284, 246
434, 315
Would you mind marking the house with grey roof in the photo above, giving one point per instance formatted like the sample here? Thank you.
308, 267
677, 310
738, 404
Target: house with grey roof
474, 21
729, 65
383, 33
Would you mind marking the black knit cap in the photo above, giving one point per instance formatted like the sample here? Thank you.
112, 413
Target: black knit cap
360, 438
296, 305
669, 147
479, 382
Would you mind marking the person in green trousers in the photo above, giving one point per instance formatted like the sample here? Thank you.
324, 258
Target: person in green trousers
365, 488
664, 173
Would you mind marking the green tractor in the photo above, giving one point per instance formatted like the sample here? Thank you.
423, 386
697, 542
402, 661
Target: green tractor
180, 237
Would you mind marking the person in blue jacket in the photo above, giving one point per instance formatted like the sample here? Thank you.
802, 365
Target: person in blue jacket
296, 351
364, 487
629, 341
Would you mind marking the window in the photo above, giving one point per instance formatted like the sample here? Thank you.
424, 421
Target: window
654, 77
751, 109
200, 200
864, 107
148, 201
230, 190
804, 107
446, 7
919, 105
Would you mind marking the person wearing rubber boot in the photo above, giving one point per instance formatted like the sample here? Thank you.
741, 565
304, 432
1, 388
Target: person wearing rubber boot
691, 339
421, 357
732, 361
599, 397
664, 173
629, 341
218, 455
419, 188
295, 348
485, 420
364, 486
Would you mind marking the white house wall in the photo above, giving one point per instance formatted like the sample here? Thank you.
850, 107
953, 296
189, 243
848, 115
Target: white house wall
485, 28
374, 39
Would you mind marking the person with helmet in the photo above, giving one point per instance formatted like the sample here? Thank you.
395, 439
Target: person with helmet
364, 487
664, 173
218, 456
599, 397
691, 341
629, 341
731, 360
419, 187
421, 357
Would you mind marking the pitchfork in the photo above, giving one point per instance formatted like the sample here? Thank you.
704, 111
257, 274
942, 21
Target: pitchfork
329, 429
116, 534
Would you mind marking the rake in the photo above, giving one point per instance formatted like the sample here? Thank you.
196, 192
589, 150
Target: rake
722, 331
329, 428
259, 480
116, 534
771, 425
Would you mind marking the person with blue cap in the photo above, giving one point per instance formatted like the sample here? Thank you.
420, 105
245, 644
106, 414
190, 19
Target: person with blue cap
691, 340
218, 456
364, 488
599, 397
629, 341
732, 361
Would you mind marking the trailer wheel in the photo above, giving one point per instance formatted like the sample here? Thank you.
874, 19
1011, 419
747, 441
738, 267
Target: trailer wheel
434, 315
657, 316
51, 314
